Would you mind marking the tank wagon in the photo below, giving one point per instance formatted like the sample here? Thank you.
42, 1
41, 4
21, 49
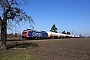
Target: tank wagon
53, 35
58, 35
33, 34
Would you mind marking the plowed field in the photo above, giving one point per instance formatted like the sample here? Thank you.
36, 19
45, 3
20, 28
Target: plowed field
53, 49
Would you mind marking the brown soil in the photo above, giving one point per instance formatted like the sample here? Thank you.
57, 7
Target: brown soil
61, 49
69, 49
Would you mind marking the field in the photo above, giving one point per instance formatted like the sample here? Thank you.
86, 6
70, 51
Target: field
52, 49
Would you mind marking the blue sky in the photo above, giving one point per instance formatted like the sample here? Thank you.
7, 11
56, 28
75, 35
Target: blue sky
67, 15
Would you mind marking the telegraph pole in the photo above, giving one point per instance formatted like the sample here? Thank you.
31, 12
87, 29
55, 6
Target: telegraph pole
72, 32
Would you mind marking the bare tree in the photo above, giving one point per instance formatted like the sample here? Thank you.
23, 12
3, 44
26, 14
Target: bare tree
11, 12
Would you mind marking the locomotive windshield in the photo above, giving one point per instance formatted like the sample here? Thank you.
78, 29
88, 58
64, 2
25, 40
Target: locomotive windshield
24, 32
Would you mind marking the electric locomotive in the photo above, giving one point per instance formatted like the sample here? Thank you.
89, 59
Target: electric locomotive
33, 34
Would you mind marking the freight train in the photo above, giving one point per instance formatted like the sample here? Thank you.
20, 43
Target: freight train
33, 34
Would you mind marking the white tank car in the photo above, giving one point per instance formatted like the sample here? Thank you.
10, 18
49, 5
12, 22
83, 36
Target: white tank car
70, 36
63, 35
53, 35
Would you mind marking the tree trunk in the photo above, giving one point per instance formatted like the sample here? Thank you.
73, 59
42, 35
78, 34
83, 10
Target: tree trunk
3, 35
